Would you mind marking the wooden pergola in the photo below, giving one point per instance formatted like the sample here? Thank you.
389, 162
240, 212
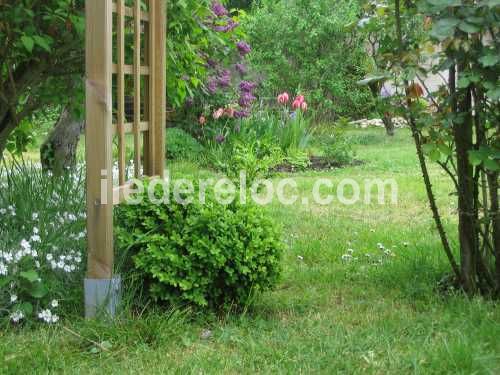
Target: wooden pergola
107, 119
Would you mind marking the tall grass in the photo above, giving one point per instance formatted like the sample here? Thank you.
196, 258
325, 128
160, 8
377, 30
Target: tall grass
35, 203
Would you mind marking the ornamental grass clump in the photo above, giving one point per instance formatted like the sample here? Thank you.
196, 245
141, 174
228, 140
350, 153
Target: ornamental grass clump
207, 255
42, 242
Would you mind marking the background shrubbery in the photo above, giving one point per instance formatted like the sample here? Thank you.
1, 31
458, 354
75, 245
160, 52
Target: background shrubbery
305, 45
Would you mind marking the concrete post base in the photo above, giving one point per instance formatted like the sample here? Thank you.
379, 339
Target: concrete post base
102, 296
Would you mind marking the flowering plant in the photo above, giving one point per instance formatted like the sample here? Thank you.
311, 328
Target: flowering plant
229, 93
41, 244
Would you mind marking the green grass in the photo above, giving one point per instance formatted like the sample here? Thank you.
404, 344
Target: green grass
326, 316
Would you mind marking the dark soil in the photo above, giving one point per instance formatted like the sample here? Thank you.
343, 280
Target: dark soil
317, 163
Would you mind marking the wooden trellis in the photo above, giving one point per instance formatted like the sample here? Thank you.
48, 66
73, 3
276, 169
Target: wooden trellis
125, 59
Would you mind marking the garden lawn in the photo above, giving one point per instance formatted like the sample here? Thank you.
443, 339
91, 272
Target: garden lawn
379, 313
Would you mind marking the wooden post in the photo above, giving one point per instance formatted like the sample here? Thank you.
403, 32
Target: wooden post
102, 288
158, 65
98, 139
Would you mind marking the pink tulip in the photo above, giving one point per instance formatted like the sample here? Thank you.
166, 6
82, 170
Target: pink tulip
229, 112
297, 103
218, 114
283, 98
303, 106
300, 99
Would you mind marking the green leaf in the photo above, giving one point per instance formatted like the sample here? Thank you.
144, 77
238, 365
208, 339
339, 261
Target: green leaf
468, 28
26, 308
492, 165
39, 291
43, 42
372, 79
444, 28
31, 275
475, 158
28, 43
489, 60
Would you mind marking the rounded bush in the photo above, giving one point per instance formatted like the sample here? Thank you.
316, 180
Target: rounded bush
182, 146
208, 255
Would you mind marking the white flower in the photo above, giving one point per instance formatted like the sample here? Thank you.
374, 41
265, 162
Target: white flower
35, 216
380, 246
35, 238
300, 257
346, 257
350, 251
54, 303
36, 230
8, 257
37, 264
48, 317
363, 22
405, 244
60, 264
17, 316
3, 211
13, 298
67, 269
50, 257
25, 245
3, 270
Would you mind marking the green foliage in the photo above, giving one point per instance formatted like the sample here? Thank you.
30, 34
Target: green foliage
305, 44
460, 130
42, 243
41, 60
337, 147
208, 255
256, 158
182, 146
290, 131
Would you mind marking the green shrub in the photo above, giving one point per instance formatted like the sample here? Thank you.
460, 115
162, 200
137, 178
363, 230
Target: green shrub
208, 255
182, 146
337, 147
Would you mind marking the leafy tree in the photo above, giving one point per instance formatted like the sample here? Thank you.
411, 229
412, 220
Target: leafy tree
459, 127
42, 60
305, 46
41, 56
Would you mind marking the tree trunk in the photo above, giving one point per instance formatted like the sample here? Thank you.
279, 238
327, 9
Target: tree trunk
467, 230
495, 214
7, 126
388, 123
58, 152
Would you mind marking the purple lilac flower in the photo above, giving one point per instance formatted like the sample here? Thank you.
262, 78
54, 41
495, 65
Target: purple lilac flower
211, 63
220, 138
246, 86
230, 26
212, 86
224, 78
241, 68
243, 48
219, 9
241, 114
246, 99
